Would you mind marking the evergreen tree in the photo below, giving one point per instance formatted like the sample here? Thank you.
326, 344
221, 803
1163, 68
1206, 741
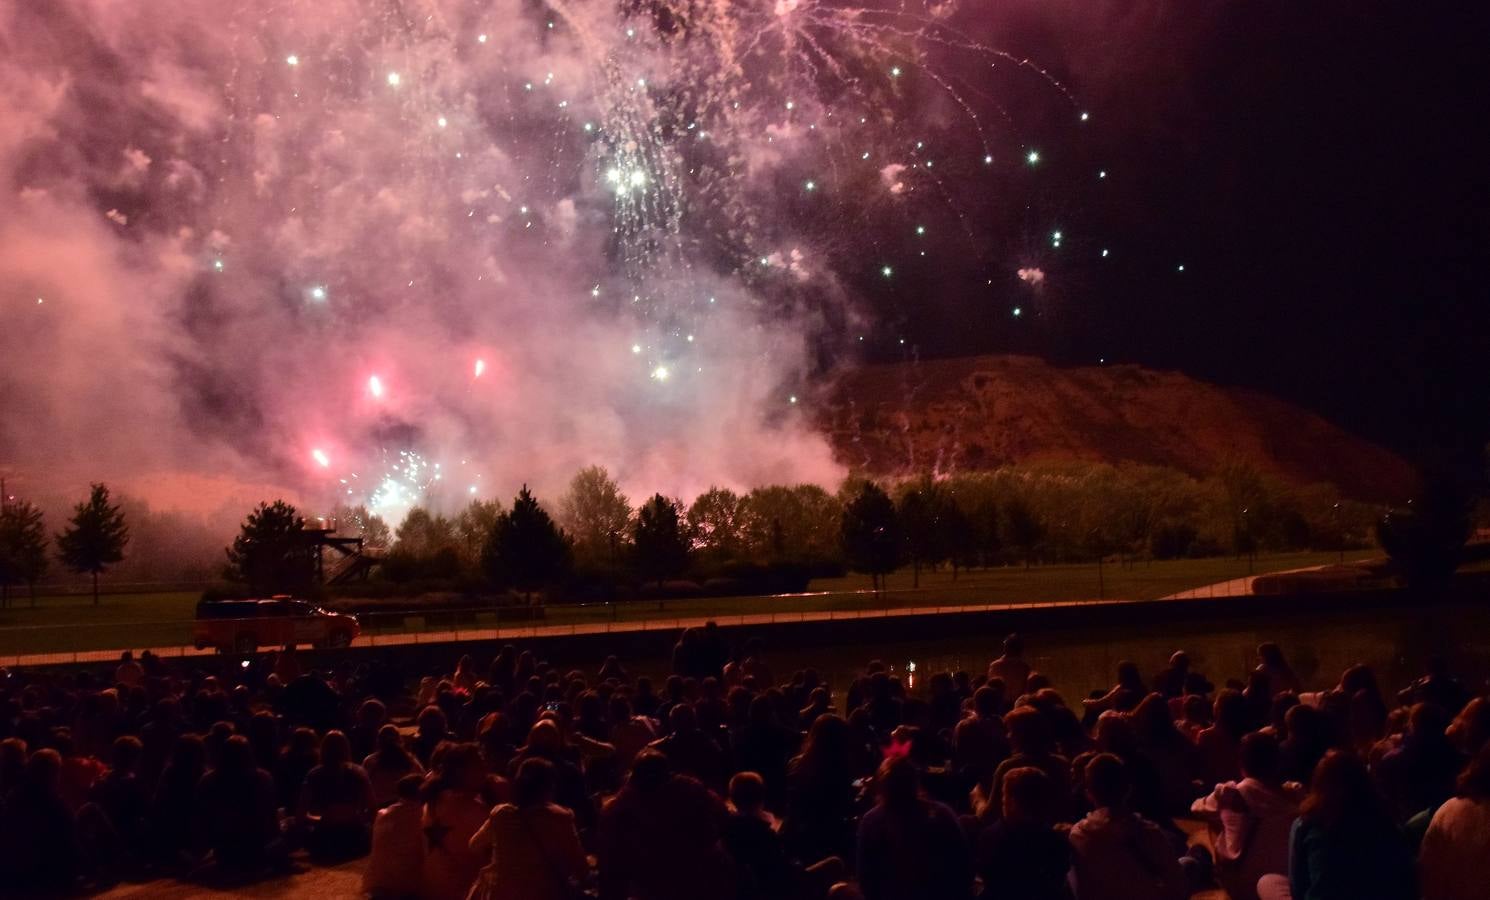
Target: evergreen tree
871, 533
271, 553
661, 541
526, 550
23, 548
95, 536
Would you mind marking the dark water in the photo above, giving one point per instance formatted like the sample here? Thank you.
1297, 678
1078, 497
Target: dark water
1078, 660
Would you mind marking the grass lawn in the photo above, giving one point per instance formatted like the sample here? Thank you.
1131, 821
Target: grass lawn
1039, 584
65, 623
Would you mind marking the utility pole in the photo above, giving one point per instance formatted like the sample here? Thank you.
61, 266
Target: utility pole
1339, 534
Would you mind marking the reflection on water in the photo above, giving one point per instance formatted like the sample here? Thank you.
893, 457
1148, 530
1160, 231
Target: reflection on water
1077, 661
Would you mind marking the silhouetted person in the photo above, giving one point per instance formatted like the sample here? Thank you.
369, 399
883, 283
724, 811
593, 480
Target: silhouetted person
1022, 856
546, 741
337, 802
396, 864
691, 751
388, 764
121, 799
1272, 665
1170, 682
38, 852
454, 809
1032, 745
1117, 854
532, 842
909, 847
236, 810
1123, 696
659, 837
1251, 819
1457, 844
752, 842
1438, 686
172, 823
764, 747
1345, 845
1420, 773
821, 794
1011, 667
295, 761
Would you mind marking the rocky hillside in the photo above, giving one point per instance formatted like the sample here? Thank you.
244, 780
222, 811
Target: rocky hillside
982, 412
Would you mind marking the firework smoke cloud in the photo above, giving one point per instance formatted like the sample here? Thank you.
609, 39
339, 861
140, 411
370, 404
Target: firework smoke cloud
360, 251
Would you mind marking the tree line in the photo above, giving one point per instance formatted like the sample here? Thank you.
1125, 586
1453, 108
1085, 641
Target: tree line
591, 538
592, 535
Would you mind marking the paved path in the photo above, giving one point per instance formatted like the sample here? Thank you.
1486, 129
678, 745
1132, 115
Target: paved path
1236, 587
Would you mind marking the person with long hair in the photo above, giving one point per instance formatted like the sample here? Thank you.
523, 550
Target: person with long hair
821, 797
1220, 744
532, 842
1451, 862
911, 847
1171, 753
1345, 845
170, 817
1272, 665
454, 809
1470, 729
336, 803
237, 811
388, 764
1419, 773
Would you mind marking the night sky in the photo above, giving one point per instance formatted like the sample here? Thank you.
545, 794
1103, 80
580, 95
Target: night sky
1321, 171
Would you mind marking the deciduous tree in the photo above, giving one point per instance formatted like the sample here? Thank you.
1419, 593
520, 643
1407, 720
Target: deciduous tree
871, 533
474, 525
596, 515
1426, 540
1023, 529
23, 548
714, 520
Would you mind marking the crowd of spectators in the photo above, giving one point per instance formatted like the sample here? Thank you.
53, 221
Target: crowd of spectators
510, 779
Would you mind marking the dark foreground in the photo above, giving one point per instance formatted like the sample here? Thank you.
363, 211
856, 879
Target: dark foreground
939, 772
